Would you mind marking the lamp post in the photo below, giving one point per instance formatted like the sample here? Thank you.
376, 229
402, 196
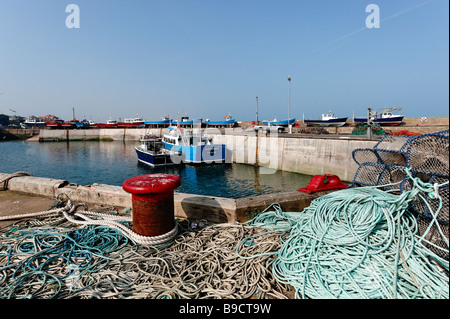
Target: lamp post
257, 122
289, 106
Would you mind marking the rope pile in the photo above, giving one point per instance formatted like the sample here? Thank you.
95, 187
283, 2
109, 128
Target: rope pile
48, 258
356, 243
427, 158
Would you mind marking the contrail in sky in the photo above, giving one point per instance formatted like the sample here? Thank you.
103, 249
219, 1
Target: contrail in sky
382, 20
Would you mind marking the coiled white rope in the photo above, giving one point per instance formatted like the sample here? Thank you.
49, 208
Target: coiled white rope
85, 217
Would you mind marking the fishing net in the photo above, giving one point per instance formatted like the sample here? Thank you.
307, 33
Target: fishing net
427, 158
365, 155
391, 149
429, 154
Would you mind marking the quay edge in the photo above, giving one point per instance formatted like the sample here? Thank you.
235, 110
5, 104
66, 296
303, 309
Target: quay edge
197, 207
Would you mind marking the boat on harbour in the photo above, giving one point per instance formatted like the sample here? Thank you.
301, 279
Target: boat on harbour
165, 121
32, 121
55, 123
228, 122
385, 118
151, 151
69, 124
108, 124
185, 121
132, 122
328, 119
280, 122
193, 146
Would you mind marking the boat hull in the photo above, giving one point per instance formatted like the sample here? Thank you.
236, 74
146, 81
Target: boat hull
103, 125
397, 120
331, 122
212, 153
163, 122
152, 159
126, 125
280, 123
220, 123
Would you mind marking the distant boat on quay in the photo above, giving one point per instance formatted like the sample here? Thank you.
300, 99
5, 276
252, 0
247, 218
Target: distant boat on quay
108, 124
165, 121
131, 122
280, 123
193, 146
34, 122
385, 118
229, 121
55, 123
152, 152
185, 121
328, 119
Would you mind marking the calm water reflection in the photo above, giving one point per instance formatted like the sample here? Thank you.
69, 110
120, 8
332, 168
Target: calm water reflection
85, 163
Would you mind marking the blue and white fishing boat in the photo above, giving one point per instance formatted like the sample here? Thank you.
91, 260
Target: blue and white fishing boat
185, 121
385, 118
280, 123
328, 119
151, 151
165, 121
193, 146
228, 122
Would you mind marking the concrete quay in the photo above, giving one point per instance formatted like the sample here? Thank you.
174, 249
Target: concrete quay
26, 194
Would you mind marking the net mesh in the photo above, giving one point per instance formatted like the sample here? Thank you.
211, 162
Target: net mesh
427, 157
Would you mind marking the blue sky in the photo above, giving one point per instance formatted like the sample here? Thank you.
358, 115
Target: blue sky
208, 58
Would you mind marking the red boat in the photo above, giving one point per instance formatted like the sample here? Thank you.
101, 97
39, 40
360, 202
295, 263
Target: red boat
108, 124
136, 122
54, 124
70, 124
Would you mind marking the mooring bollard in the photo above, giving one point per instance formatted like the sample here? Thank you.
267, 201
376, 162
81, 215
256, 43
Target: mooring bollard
152, 202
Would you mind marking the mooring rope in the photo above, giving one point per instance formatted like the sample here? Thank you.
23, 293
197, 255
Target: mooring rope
86, 217
357, 243
96, 261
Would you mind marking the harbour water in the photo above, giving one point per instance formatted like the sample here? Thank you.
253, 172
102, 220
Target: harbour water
89, 162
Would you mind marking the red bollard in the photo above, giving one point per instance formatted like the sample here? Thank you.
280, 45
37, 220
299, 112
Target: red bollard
152, 203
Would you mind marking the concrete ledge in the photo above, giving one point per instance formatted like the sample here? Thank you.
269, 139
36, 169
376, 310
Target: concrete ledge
34, 185
213, 209
289, 202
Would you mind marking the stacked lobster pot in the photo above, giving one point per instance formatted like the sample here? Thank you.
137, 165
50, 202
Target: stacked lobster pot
426, 157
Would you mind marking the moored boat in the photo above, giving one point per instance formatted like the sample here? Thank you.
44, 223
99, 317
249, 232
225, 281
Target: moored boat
151, 151
193, 146
328, 119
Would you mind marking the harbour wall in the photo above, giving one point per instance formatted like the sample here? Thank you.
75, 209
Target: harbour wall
305, 155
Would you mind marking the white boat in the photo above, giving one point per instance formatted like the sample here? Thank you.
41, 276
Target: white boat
132, 122
385, 118
32, 121
194, 146
328, 119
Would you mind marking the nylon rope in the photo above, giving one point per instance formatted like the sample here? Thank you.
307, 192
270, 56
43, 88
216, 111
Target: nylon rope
358, 243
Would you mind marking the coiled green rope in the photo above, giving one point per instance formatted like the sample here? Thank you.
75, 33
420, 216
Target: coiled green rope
356, 243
